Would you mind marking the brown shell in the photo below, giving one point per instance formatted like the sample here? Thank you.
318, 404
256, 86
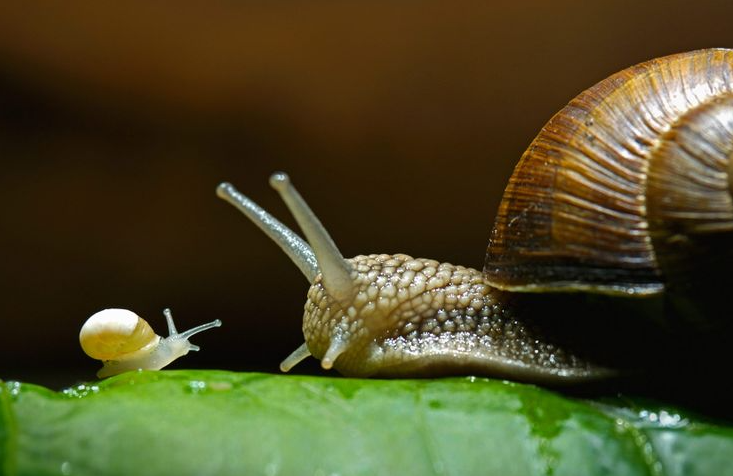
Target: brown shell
581, 211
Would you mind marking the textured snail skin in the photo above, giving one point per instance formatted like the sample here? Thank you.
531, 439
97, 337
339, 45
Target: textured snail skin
415, 317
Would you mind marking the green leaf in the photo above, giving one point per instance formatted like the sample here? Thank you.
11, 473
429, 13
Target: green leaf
8, 430
215, 422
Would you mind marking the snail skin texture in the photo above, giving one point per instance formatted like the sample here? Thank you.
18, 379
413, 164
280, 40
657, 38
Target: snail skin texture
616, 196
124, 341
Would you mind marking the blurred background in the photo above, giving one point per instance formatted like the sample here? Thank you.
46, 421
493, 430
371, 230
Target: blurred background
400, 122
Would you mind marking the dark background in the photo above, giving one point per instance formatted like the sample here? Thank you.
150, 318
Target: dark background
400, 122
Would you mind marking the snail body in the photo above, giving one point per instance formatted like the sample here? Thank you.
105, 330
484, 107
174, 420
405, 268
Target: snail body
124, 341
619, 193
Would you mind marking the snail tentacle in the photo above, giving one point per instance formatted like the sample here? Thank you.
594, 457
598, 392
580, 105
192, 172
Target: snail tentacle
169, 320
293, 245
187, 335
321, 262
336, 348
298, 355
335, 270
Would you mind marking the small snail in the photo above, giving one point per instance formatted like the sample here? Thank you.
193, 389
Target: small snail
625, 193
124, 341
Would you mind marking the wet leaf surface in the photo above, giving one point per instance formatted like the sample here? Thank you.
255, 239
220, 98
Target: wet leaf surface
216, 422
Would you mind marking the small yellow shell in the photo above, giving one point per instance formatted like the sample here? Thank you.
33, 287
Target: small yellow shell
112, 333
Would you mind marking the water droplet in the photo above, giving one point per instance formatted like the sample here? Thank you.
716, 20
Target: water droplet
621, 425
14, 389
663, 418
80, 391
196, 386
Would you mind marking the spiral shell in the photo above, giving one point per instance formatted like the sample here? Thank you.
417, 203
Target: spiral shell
625, 187
114, 333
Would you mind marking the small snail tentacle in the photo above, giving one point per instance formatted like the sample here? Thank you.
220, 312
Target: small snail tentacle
169, 321
124, 341
173, 334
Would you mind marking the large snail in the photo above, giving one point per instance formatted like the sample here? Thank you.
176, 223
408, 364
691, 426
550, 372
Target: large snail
626, 192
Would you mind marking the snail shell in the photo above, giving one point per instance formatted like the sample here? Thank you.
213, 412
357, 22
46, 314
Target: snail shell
626, 191
112, 333
623, 189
